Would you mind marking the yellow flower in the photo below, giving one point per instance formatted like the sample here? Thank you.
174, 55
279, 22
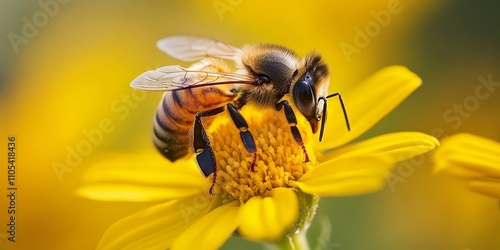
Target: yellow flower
471, 158
275, 202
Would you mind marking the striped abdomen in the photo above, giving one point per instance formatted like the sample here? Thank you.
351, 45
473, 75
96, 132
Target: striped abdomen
176, 114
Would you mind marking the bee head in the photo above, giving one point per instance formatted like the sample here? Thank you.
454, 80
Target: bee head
276, 64
309, 91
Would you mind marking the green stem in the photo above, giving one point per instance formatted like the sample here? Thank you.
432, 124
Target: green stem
300, 241
291, 242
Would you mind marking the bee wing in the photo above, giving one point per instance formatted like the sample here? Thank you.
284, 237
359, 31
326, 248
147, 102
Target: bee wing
170, 78
193, 48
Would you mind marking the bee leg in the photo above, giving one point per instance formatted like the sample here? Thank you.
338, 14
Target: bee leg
204, 153
246, 136
211, 190
292, 120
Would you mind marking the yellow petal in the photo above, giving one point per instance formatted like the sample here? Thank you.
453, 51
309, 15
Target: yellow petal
454, 169
468, 165
268, 218
367, 103
468, 156
141, 178
396, 146
346, 176
211, 231
489, 187
157, 226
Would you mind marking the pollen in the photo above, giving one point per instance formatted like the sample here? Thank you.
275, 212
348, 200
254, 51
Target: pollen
280, 159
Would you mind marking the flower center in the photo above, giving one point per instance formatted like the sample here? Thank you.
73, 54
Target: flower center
280, 159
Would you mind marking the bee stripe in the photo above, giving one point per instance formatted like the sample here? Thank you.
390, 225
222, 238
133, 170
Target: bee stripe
175, 115
170, 138
161, 137
171, 143
162, 126
171, 149
177, 99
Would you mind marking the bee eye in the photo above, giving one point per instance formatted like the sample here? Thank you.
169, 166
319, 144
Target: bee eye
303, 96
263, 79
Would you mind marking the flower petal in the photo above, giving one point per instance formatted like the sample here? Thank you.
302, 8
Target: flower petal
268, 218
488, 187
396, 146
369, 102
141, 178
157, 226
346, 176
468, 156
211, 231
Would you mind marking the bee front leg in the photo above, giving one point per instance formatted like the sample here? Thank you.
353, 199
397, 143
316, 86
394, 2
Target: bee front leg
201, 144
292, 120
204, 153
246, 136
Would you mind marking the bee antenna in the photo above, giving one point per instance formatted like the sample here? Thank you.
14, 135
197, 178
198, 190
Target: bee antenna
324, 113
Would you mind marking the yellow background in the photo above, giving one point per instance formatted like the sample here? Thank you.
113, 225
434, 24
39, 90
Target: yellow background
73, 74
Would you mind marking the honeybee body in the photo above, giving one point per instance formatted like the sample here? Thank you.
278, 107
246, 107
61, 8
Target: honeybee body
265, 75
177, 110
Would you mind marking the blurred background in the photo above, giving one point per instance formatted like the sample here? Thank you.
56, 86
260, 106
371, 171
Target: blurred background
65, 70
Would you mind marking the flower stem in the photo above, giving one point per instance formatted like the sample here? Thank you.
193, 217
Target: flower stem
291, 242
300, 241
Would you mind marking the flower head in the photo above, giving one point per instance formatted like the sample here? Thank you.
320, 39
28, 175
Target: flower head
280, 159
473, 159
275, 201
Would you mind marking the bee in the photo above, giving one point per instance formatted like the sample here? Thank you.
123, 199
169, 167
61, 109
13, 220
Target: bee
265, 75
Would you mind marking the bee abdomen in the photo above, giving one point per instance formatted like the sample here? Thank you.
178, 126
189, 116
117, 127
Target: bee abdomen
171, 127
171, 143
176, 114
